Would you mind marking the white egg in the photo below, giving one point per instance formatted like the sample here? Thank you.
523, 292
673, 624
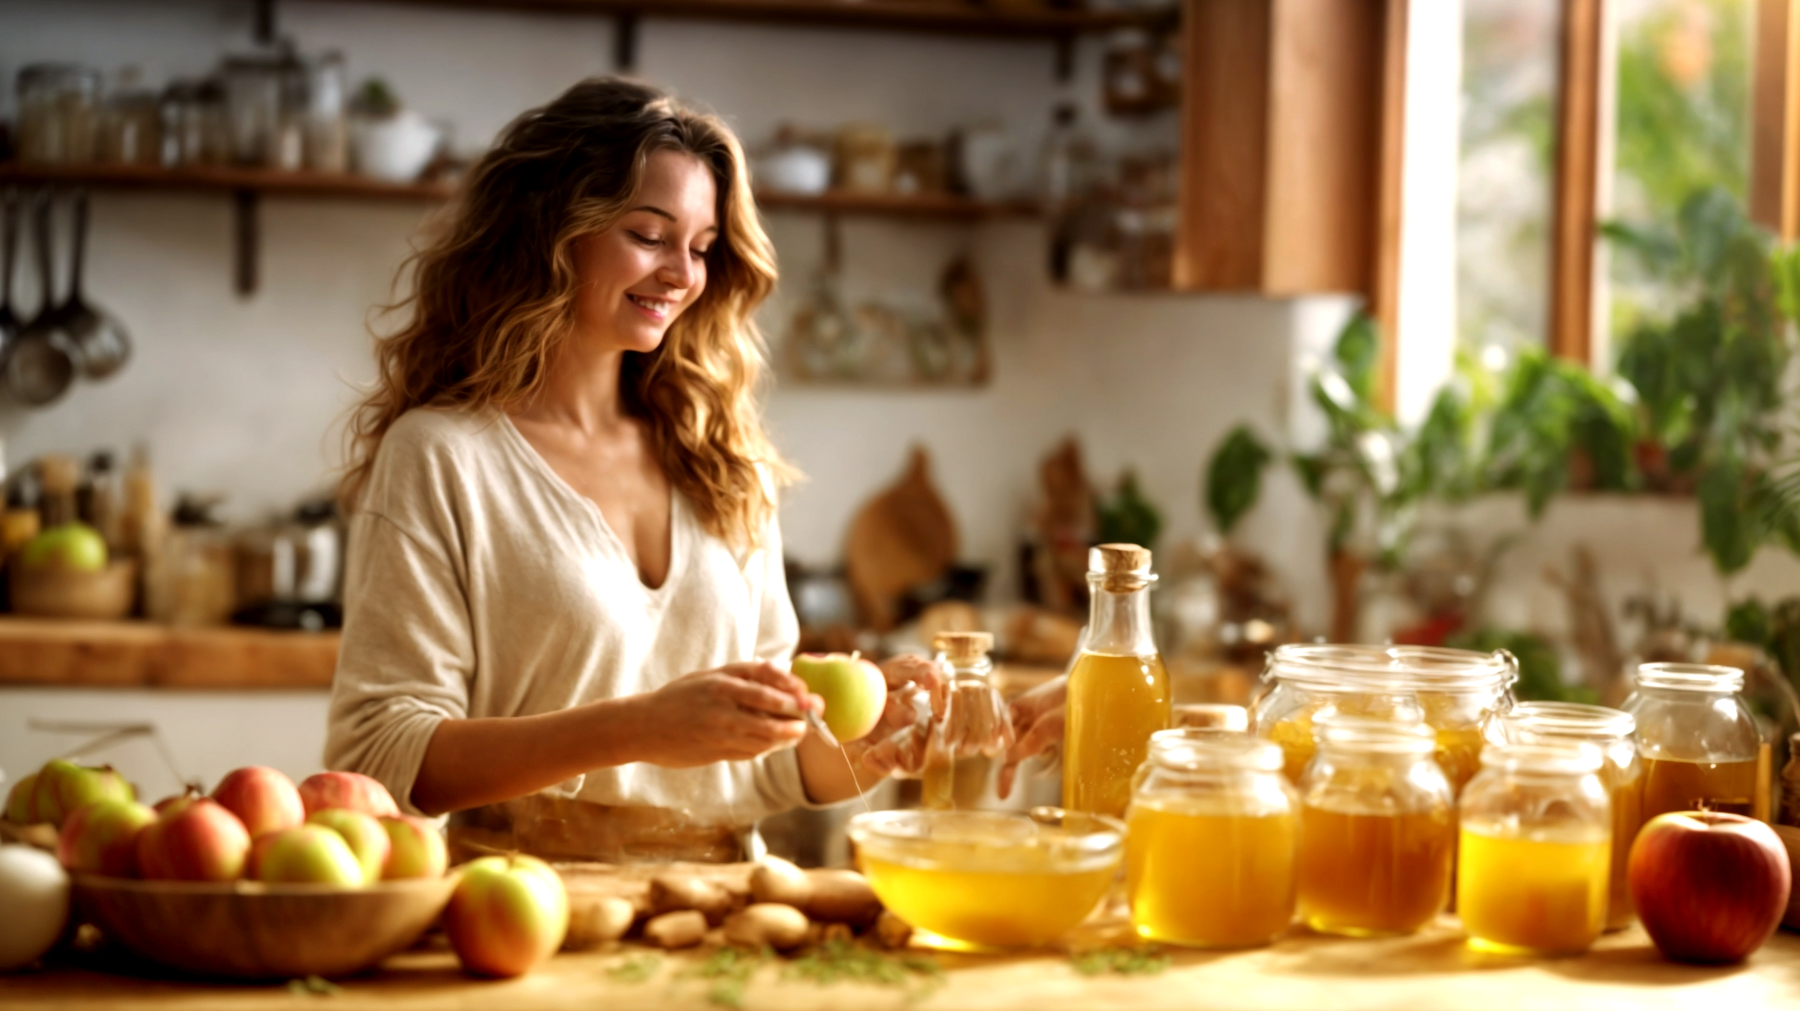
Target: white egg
34, 891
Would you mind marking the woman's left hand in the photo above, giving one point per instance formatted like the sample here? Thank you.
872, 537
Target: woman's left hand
871, 755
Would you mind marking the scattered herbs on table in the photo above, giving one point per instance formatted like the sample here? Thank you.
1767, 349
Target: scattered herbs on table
634, 969
730, 970
840, 961
1120, 961
314, 986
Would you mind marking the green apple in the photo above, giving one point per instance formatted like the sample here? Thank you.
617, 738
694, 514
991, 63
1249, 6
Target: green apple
73, 546
417, 849
101, 838
21, 807
368, 840
508, 914
308, 854
63, 788
853, 689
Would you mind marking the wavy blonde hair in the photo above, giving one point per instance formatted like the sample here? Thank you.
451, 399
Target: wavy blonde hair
494, 291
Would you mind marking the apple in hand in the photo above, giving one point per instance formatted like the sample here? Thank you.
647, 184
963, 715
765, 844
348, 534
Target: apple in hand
854, 691
351, 790
367, 840
194, 840
63, 787
508, 914
262, 798
1708, 886
310, 854
417, 849
21, 807
102, 838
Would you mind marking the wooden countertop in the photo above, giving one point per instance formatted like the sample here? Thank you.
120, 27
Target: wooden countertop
1431, 970
139, 654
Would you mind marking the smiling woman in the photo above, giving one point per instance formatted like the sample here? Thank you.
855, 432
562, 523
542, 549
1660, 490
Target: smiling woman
566, 618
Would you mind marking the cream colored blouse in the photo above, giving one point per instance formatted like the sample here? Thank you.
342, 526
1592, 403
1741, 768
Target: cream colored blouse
480, 584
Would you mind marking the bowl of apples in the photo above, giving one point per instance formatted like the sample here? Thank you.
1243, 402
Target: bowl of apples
261, 879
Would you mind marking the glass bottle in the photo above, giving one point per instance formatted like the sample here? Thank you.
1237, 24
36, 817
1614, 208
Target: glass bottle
1615, 734
58, 112
1535, 848
1699, 743
1377, 828
970, 732
1211, 841
1458, 693
1118, 689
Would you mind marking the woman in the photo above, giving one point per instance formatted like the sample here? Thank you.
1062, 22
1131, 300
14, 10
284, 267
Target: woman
566, 614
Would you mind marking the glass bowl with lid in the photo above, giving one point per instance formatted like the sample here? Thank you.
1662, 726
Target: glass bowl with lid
1456, 692
987, 880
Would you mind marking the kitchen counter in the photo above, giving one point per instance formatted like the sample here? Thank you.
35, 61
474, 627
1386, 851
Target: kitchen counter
1430, 970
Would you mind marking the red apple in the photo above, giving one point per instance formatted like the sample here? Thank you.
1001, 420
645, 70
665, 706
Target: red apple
368, 841
310, 854
198, 841
21, 806
1708, 886
63, 787
507, 915
351, 790
175, 802
417, 849
262, 798
101, 838
854, 691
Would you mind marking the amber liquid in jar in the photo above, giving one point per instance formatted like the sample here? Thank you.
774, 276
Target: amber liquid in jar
1374, 874
1115, 704
956, 783
1532, 895
1627, 818
1210, 880
1731, 787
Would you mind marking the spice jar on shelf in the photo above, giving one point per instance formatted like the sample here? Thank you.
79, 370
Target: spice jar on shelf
131, 123
1211, 841
1535, 849
1615, 734
1377, 829
58, 113
1699, 743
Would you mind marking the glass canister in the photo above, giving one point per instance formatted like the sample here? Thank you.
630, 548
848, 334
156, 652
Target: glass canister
58, 113
1615, 734
1700, 746
1118, 692
1211, 841
1457, 692
1377, 829
969, 730
1535, 849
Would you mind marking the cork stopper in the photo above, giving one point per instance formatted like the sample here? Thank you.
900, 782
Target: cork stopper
1119, 560
963, 647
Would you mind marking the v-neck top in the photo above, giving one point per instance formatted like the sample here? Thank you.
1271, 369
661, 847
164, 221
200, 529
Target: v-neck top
479, 583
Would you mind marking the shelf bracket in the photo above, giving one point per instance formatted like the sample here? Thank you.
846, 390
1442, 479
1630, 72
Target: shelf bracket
245, 242
625, 40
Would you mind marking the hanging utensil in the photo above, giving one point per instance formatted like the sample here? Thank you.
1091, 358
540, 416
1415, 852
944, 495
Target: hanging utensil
9, 243
101, 344
41, 365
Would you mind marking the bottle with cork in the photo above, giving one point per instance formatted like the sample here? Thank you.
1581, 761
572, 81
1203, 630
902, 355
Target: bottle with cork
1118, 693
969, 732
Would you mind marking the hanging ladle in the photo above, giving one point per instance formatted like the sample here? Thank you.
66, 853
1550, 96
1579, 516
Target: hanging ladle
9, 244
41, 364
101, 344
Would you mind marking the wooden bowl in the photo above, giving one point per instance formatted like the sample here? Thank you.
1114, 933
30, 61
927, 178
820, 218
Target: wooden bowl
62, 593
247, 929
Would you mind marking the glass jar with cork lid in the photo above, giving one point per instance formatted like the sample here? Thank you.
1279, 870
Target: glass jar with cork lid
969, 730
1118, 691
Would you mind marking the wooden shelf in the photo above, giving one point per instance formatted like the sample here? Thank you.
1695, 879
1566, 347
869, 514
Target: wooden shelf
45, 652
221, 178
921, 205
940, 16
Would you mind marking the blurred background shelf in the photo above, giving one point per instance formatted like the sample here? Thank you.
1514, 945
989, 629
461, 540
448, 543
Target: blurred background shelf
221, 178
920, 205
138, 654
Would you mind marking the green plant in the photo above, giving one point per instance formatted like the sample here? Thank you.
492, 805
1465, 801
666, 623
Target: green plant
1128, 517
1554, 417
1234, 477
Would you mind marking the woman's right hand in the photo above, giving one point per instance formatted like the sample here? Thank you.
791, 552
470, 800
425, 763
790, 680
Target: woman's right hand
733, 713
1037, 718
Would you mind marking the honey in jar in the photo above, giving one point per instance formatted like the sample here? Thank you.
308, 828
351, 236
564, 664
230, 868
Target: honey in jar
1614, 733
1212, 839
1536, 850
1701, 747
1118, 692
1377, 829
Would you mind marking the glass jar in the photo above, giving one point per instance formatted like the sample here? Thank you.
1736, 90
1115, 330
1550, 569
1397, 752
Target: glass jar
1457, 692
969, 729
1377, 828
58, 110
1211, 839
255, 97
1700, 746
1118, 692
1614, 733
1535, 849
131, 126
